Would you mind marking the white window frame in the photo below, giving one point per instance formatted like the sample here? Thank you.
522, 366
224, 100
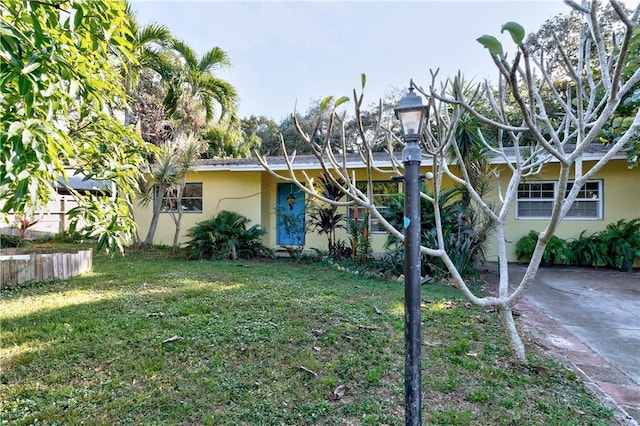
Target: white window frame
374, 224
591, 192
165, 201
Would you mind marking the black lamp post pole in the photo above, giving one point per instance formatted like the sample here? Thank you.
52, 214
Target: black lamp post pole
411, 156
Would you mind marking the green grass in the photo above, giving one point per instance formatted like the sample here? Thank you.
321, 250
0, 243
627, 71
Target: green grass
90, 350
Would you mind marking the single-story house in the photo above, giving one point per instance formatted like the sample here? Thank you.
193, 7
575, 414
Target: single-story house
244, 186
53, 218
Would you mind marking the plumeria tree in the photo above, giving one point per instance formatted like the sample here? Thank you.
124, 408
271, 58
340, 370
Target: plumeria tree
593, 88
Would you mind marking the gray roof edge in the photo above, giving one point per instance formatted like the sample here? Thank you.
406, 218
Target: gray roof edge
381, 159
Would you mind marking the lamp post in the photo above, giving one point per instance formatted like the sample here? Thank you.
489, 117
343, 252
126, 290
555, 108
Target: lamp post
411, 112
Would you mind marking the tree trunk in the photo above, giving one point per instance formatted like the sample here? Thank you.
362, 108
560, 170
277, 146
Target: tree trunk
506, 315
157, 208
177, 233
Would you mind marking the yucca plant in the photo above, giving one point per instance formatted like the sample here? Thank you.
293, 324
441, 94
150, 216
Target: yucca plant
226, 236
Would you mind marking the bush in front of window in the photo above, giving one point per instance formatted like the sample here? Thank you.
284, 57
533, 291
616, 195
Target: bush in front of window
621, 243
588, 250
556, 251
226, 236
618, 246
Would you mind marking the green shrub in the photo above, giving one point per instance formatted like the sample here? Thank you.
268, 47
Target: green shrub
621, 243
226, 236
617, 247
557, 250
465, 234
526, 245
587, 250
7, 241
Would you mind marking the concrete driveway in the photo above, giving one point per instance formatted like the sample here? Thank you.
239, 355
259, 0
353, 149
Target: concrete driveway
589, 318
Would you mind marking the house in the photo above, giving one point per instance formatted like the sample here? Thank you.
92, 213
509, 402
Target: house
53, 218
244, 186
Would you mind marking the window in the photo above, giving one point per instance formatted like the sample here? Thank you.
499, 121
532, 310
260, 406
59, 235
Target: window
535, 200
191, 199
381, 191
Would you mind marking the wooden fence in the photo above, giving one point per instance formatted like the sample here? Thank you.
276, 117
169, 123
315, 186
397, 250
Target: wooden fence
18, 267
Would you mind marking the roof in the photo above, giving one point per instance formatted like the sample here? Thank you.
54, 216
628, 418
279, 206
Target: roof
81, 184
353, 161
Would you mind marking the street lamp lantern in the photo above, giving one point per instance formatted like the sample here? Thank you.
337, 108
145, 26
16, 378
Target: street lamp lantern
411, 112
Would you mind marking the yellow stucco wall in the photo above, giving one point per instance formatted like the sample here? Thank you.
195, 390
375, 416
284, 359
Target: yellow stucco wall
313, 239
621, 194
253, 194
222, 190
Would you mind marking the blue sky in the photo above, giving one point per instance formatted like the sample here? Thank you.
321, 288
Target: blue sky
285, 54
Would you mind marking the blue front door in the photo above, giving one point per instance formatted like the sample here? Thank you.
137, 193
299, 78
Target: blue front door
290, 215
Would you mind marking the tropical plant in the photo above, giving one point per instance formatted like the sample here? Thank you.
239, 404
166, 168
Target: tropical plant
324, 217
587, 250
326, 220
147, 45
188, 151
226, 236
194, 92
464, 234
557, 249
22, 223
526, 245
621, 243
162, 177
227, 139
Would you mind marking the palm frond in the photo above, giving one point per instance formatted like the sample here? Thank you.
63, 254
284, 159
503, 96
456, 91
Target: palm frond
214, 59
186, 53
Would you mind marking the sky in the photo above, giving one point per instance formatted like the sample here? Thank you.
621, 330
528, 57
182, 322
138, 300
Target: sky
286, 54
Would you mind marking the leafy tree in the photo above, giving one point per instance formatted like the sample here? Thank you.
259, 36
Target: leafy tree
147, 45
600, 85
266, 132
227, 139
153, 122
58, 89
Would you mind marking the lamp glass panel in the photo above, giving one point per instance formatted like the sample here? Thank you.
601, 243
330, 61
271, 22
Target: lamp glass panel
410, 121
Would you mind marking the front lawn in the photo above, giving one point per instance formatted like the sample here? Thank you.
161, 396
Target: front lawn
153, 339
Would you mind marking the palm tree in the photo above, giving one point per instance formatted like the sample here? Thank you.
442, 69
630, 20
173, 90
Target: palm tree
194, 92
162, 177
148, 44
188, 151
